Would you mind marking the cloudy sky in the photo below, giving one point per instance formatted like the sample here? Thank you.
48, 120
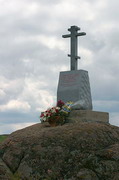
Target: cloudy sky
33, 52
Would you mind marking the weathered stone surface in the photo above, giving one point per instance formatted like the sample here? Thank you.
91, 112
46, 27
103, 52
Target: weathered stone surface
87, 174
88, 151
5, 173
74, 86
88, 116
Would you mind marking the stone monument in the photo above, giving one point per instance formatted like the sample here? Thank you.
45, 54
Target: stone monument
74, 85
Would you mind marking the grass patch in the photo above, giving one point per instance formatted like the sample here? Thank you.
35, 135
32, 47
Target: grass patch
3, 137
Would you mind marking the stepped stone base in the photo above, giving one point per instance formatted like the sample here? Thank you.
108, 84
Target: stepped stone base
88, 116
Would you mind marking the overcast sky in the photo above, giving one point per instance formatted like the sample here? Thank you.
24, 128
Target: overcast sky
33, 52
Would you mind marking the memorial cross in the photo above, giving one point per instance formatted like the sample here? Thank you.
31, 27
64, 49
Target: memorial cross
74, 48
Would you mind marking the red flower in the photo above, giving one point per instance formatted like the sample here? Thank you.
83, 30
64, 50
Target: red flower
60, 103
42, 115
57, 110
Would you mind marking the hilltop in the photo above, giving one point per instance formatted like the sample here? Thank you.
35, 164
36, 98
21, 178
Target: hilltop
88, 151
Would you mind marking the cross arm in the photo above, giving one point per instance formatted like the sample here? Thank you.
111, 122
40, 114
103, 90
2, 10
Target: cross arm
81, 34
66, 36
77, 34
76, 57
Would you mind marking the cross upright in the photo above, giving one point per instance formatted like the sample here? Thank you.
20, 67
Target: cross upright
74, 45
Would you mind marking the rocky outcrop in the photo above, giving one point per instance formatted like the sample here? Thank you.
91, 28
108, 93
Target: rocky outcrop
87, 151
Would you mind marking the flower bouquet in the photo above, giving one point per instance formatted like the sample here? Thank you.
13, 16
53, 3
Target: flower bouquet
56, 115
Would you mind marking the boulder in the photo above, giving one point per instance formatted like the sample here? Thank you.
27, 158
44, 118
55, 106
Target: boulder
87, 151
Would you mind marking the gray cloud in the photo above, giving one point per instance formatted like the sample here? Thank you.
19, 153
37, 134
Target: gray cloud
33, 52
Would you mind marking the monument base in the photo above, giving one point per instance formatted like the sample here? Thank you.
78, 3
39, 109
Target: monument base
88, 116
74, 86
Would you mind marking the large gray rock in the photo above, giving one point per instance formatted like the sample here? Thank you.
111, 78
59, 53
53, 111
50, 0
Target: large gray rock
75, 86
87, 151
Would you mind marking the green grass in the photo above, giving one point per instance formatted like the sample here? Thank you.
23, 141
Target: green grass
3, 137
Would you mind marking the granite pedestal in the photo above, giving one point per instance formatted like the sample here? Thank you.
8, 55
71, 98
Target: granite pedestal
74, 86
88, 116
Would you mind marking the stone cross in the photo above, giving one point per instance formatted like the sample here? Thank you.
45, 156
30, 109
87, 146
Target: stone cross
74, 34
